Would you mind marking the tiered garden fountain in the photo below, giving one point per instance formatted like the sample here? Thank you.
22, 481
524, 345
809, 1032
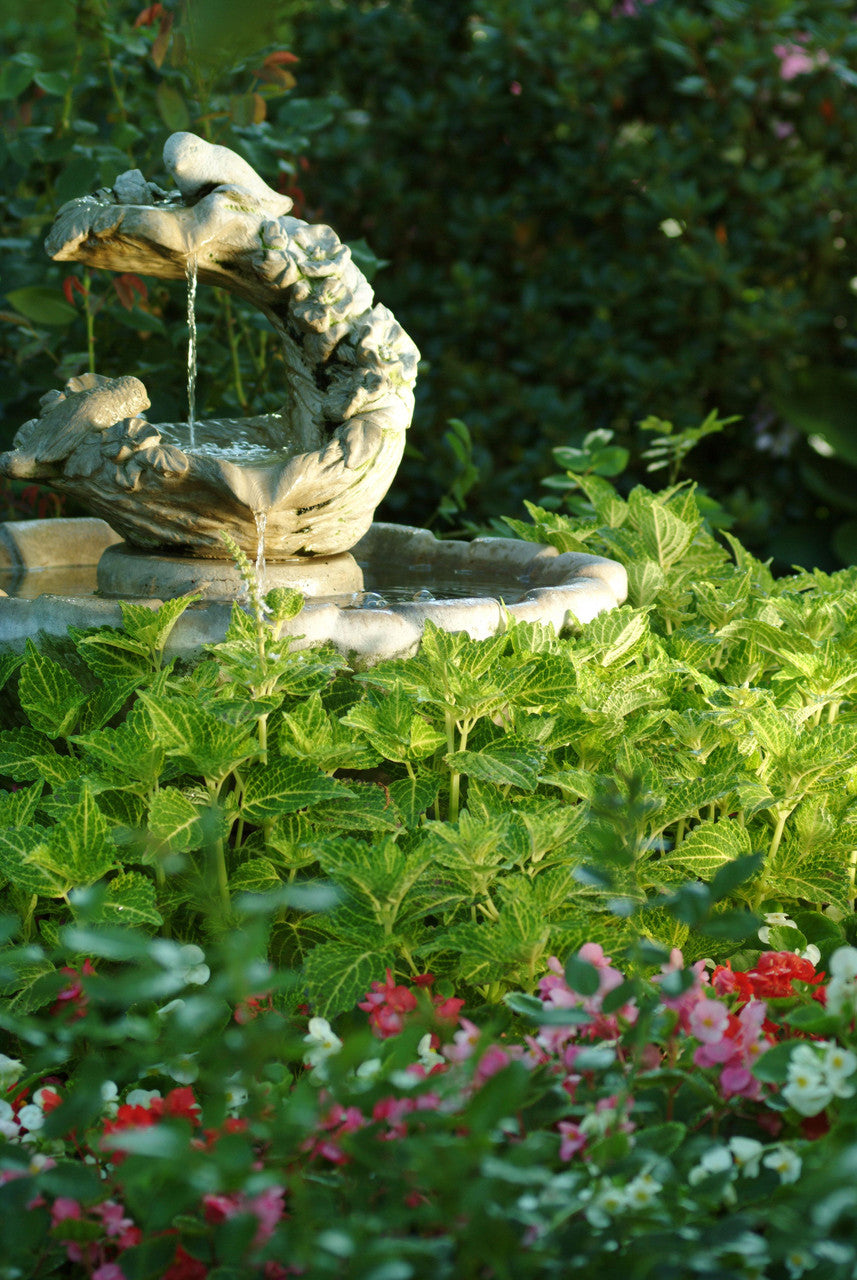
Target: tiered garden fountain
295, 489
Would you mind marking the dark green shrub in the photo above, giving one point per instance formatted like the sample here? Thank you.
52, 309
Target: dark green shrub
592, 215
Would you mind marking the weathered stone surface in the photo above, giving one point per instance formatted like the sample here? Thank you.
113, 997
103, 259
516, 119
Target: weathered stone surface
319, 465
561, 589
126, 571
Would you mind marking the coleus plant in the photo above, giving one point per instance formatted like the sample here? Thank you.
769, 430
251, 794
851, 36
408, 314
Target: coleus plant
478, 807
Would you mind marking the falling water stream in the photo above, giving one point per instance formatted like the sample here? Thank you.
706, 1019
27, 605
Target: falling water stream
191, 347
261, 518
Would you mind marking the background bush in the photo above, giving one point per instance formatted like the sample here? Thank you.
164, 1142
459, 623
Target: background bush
591, 212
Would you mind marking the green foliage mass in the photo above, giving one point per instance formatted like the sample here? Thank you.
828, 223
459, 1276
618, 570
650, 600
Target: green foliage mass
478, 807
594, 212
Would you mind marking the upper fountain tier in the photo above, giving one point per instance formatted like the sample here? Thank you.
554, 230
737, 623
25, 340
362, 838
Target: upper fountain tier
319, 465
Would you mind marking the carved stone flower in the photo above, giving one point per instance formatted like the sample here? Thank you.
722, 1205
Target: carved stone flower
166, 459
86, 458
322, 253
123, 439
383, 341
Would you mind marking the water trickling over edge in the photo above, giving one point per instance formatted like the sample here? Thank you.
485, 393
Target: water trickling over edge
191, 272
261, 518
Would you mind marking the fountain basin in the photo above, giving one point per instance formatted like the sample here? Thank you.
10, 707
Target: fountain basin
47, 567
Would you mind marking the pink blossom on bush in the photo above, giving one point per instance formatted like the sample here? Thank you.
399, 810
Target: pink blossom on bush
708, 1020
796, 61
109, 1271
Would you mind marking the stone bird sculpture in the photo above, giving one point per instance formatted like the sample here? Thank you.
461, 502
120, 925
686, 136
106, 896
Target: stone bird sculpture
67, 417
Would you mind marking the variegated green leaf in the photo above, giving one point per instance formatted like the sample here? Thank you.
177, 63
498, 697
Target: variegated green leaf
285, 786
338, 974
49, 694
709, 846
129, 899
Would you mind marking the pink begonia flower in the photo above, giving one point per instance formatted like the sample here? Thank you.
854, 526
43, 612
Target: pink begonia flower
708, 1020
110, 1271
573, 1139
268, 1208
64, 1208
463, 1042
739, 1082
494, 1059
795, 61
782, 129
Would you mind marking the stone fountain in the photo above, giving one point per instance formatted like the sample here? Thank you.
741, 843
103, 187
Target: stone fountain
297, 488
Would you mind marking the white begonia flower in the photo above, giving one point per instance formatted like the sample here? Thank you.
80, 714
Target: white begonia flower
671, 228
843, 963
642, 1191
9, 1130
604, 1206
10, 1071
839, 1066
170, 1007
32, 1117
775, 920
810, 953
841, 997
370, 1070
784, 1162
806, 1088
715, 1160
39, 1161
747, 1153
39, 1094
184, 1070
427, 1056
798, 1261
236, 1098
323, 1043
142, 1097
196, 971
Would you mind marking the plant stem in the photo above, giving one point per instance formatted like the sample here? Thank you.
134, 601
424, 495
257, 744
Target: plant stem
778, 831
90, 321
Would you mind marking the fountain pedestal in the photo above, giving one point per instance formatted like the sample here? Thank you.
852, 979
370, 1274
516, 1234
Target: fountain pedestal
127, 571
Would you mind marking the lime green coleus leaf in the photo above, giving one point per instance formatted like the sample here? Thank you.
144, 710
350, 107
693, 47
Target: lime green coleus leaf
368, 807
394, 728
151, 628
338, 974
382, 871
20, 854
285, 786
312, 733
9, 664
614, 636
112, 654
104, 702
49, 694
17, 808
711, 844
177, 821
665, 535
78, 846
818, 877
129, 753
129, 899
211, 746
28, 756
256, 875
504, 765
413, 796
